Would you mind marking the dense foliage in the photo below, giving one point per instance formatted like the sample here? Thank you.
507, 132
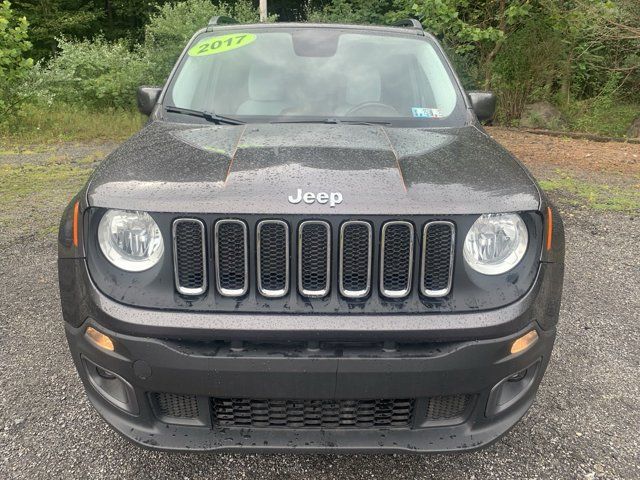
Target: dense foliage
581, 55
14, 65
173, 25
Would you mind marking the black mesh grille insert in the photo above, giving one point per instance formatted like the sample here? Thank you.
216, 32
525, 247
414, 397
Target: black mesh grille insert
237, 412
176, 406
397, 258
189, 256
447, 407
231, 257
356, 258
436, 269
273, 258
313, 258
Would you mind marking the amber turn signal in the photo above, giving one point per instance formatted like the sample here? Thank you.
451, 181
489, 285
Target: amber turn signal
524, 342
100, 339
549, 227
76, 214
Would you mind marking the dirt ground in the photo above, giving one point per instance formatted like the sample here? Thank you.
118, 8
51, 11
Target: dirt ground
544, 154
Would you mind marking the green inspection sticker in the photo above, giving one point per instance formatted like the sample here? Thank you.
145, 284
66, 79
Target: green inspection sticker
224, 43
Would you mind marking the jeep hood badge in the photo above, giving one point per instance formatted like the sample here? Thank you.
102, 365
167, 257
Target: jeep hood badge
333, 198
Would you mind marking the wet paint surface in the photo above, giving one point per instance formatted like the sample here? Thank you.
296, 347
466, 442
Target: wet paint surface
170, 167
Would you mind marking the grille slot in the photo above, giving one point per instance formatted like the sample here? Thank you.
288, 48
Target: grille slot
314, 258
231, 257
355, 259
396, 259
438, 243
189, 256
272, 250
173, 405
447, 407
243, 412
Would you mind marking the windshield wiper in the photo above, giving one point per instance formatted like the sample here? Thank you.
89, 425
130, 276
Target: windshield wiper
335, 121
208, 116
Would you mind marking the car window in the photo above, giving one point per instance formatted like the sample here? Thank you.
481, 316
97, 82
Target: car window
315, 73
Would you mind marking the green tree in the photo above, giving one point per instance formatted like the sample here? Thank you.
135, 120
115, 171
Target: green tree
49, 19
477, 27
173, 25
354, 11
95, 73
14, 64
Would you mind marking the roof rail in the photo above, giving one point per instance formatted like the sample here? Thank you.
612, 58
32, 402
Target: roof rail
221, 20
409, 23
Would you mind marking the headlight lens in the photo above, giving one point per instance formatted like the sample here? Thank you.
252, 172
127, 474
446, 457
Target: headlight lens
130, 240
496, 243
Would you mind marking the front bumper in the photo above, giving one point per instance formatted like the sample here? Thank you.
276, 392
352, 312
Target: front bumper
149, 365
316, 358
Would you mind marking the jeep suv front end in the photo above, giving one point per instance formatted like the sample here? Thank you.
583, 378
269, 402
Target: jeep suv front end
355, 269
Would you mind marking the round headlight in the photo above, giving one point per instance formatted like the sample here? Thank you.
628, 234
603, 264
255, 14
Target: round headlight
130, 240
496, 243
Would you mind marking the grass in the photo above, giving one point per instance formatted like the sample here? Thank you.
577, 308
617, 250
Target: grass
64, 123
595, 195
600, 116
32, 197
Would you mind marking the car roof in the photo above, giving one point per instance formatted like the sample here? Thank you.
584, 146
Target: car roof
409, 31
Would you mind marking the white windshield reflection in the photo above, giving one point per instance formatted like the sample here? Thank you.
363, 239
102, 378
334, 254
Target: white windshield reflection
359, 76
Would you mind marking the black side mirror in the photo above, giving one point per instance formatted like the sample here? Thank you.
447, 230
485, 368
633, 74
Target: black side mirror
484, 104
147, 99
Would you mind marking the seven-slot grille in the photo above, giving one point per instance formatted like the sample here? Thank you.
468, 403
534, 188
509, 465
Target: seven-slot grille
359, 253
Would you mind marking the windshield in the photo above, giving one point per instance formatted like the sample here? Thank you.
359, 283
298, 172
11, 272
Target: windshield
312, 73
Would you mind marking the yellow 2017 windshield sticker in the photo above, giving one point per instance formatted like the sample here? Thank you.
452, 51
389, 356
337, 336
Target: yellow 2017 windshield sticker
224, 43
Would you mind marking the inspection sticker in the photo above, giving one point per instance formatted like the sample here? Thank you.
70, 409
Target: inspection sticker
426, 112
224, 43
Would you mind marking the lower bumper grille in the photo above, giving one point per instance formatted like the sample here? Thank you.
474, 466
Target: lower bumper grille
244, 412
173, 405
323, 414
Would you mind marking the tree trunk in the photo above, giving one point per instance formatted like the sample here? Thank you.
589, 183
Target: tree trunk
488, 62
565, 86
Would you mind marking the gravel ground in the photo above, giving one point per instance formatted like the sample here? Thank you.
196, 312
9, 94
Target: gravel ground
583, 425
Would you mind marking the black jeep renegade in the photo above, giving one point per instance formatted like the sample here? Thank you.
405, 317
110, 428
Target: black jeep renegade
312, 245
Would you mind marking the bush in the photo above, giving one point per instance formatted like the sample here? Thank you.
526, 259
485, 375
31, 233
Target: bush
173, 25
14, 66
526, 69
94, 73
351, 11
605, 115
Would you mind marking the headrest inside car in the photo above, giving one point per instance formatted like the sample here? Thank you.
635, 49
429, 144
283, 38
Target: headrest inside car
265, 83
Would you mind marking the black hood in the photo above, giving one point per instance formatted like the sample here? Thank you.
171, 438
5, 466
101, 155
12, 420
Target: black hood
170, 167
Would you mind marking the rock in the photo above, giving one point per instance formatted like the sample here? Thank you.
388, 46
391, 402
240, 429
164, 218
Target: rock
541, 115
634, 129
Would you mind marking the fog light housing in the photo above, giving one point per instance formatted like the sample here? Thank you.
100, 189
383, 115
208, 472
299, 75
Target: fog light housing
512, 389
111, 386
